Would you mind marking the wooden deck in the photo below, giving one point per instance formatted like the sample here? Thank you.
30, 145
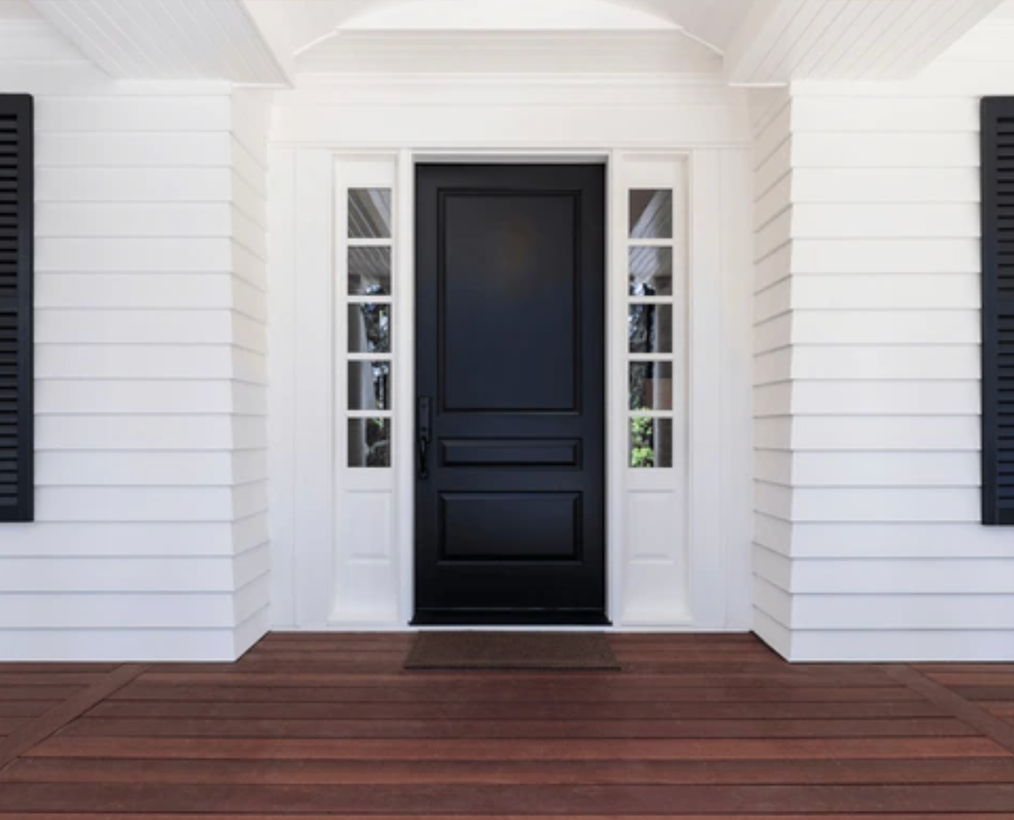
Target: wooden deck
330, 726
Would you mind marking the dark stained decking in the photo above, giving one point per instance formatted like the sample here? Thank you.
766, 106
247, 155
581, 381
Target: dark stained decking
317, 726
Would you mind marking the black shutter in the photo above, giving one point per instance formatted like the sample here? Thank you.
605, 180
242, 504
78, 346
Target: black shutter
16, 374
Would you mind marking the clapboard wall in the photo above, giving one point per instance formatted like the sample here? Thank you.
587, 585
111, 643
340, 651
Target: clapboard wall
772, 327
151, 535
868, 541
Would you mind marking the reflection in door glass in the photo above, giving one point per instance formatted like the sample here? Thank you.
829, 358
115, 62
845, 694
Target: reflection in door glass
650, 443
649, 328
369, 213
369, 442
651, 271
369, 271
369, 385
369, 328
650, 386
650, 214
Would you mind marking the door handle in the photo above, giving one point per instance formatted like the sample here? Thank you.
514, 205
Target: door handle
425, 432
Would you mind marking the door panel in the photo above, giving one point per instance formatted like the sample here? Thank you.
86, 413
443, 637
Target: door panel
510, 521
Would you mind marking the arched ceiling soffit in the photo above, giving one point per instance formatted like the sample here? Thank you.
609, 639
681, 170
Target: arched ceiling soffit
710, 22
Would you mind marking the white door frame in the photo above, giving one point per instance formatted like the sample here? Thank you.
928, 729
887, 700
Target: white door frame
304, 591
405, 428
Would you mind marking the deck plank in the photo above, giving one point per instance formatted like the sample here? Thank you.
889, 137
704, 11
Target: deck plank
558, 799
311, 772
695, 726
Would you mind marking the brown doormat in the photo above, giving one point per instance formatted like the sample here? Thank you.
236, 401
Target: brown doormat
511, 650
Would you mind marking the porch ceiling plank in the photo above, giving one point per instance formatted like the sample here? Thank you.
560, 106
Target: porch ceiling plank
193, 40
785, 40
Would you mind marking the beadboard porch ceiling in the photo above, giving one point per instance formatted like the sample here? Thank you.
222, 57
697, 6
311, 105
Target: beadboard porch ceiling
754, 42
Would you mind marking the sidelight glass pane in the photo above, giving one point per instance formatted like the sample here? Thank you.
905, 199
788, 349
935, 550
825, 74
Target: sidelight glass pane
369, 328
369, 443
650, 386
650, 443
369, 213
369, 271
651, 214
369, 385
651, 271
649, 328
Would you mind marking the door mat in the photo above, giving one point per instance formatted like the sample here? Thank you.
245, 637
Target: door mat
511, 650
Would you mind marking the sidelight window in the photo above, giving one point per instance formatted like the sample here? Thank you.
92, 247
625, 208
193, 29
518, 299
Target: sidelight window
654, 252
367, 251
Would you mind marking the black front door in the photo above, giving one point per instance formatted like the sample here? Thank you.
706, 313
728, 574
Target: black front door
510, 375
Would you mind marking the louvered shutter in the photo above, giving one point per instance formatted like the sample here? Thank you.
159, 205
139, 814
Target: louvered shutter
16, 379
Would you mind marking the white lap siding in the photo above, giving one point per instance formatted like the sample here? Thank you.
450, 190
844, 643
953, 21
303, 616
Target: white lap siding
868, 541
151, 533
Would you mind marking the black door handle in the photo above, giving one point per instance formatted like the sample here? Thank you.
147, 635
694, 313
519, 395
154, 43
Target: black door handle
424, 424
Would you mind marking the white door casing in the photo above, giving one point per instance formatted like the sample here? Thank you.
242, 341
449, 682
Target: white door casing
678, 539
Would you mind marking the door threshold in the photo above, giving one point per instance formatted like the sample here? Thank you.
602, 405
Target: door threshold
477, 617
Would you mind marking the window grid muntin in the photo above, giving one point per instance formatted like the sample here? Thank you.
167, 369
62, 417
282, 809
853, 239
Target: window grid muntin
675, 242
351, 300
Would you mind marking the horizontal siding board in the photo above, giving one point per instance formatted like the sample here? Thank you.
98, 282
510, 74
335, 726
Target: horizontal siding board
63, 469
915, 612
58, 221
121, 574
125, 539
117, 149
886, 291
123, 503
989, 576
773, 367
772, 499
773, 433
109, 611
774, 201
954, 645
878, 257
911, 469
134, 114
893, 540
133, 361
109, 644
773, 601
885, 150
75, 396
773, 301
131, 432
773, 268
879, 115
909, 397
118, 254
886, 362
885, 326
772, 399
134, 327
948, 186
892, 433
131, 291
911, 220
90, 186
773, 235
880, 503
